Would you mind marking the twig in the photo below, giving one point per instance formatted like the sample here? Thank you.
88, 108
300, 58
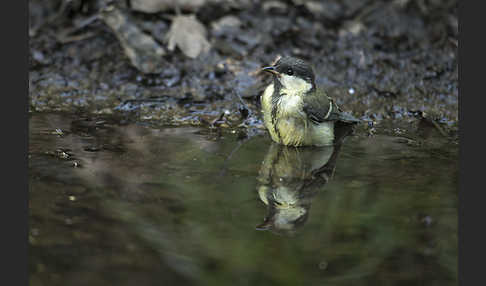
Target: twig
226, 161
63, 37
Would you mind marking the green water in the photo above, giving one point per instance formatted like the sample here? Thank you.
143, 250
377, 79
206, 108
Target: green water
128, 204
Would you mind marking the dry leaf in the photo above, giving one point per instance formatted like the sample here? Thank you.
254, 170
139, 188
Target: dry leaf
227, 22
315, 7
187, 33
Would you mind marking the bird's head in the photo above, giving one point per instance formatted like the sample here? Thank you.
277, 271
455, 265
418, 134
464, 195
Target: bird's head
294, 75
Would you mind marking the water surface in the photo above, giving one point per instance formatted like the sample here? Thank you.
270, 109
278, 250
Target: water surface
128, 204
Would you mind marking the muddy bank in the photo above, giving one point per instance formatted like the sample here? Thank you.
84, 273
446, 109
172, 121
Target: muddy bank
391, 63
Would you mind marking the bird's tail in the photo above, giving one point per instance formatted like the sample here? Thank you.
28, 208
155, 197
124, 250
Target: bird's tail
348, 118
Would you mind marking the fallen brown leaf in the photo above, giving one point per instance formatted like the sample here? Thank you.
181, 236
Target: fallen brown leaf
187, 33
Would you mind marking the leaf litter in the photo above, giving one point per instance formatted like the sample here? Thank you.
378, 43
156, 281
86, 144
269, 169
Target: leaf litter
189, 35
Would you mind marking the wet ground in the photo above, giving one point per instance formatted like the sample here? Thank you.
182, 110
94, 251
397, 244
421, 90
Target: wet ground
383, 61
117, 203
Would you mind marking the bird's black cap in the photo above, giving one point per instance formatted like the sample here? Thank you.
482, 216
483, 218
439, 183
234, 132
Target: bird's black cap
292, 66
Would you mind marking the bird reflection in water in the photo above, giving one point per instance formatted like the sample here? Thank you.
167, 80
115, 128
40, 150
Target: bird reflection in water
290, 178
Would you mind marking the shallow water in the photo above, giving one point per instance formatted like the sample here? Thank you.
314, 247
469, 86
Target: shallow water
128, 204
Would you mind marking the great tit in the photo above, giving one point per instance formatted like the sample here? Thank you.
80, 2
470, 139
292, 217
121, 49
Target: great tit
295, 112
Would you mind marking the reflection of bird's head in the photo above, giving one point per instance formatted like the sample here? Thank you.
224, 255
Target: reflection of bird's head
293, 74
285, 211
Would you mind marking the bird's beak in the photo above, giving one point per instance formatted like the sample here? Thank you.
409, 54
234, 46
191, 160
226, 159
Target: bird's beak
271, 70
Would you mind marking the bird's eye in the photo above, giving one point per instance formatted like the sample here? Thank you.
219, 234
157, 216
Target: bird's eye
290, 72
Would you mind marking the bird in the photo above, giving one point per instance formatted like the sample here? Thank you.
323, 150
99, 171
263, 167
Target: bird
296, 112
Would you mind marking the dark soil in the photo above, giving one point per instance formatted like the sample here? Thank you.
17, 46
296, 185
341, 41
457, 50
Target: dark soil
392, 64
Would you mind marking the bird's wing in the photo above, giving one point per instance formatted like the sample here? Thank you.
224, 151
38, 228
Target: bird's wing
319, 108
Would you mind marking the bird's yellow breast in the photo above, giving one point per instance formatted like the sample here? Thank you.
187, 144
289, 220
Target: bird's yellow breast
290, 125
